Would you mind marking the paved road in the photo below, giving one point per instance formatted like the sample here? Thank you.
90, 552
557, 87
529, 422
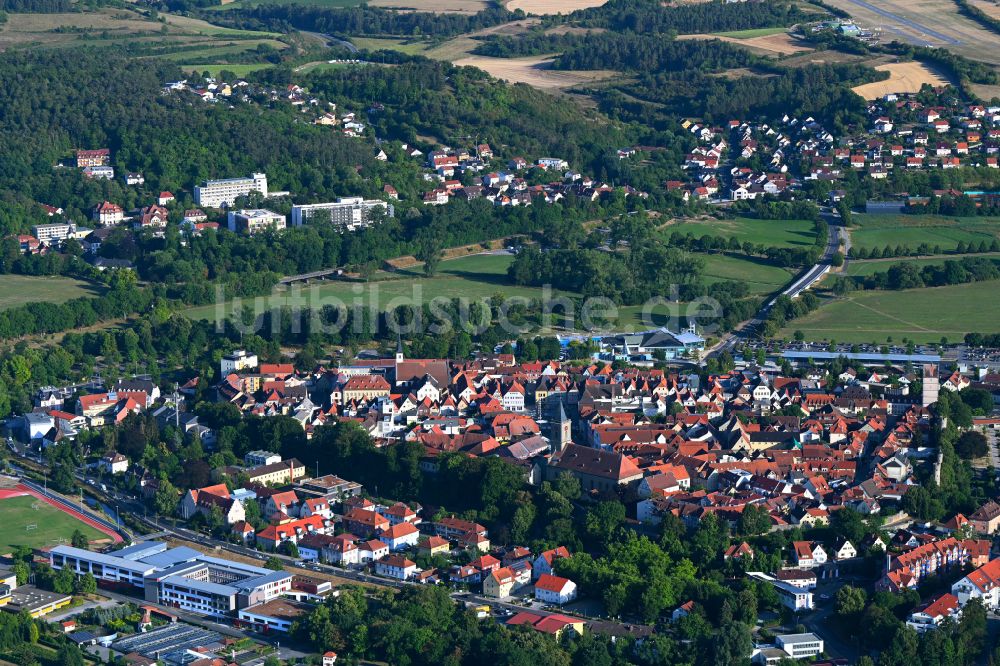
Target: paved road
806, 280
333, 41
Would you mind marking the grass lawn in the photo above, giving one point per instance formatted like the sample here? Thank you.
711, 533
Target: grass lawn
221, 50
483, 276
762, 278
877, 231
870, 267
242, 4
407, 46
474, 277
922, 315
750, 34
772, 233
23, 289
53, 525
238, 70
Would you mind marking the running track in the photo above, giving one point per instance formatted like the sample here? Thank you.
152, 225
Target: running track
913, 25
20, 490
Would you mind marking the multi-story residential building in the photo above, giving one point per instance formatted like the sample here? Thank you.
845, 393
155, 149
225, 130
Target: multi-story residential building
92, 158
983, 584
396, 566
258, 458
255, 220
108, 213
219, 193
212, 498
238, 361
348, 213
499, 583
286, 471
46, 233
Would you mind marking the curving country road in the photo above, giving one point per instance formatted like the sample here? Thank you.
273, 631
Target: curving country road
332, 41
804, 281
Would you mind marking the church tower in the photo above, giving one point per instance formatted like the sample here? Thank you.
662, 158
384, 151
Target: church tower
561, 430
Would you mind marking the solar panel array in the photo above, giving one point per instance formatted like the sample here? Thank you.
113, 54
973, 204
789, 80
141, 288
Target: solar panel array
167, 639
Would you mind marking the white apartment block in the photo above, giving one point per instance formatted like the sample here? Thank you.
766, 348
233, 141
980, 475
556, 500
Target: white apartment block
346, 212
238, 361
255, 220
46, 233
217, 193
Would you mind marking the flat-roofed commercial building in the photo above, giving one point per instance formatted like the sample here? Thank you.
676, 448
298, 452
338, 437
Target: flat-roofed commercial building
349, 213
216, 193
180, 577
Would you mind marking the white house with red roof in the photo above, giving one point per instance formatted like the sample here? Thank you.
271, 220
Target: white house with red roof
808, 554
983, 584
554, 589
931, 614
396, 566
400, 536
543, 563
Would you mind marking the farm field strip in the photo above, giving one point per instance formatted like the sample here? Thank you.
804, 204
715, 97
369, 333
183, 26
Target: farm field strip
552, 6
923, 315
904, 77
878, 231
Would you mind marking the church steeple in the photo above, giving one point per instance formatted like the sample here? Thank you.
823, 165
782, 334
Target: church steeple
399, 349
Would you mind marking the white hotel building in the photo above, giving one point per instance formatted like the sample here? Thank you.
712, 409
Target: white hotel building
349, 213
216, 193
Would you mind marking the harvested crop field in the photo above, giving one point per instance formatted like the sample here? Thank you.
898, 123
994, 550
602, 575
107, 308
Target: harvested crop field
437, 6
904, 77
780, 44
552, 6
988, 7
534, 71
935, 23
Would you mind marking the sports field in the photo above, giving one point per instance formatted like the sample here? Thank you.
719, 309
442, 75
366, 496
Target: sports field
51, 526
772, 233
922, 315
877, 231
24, 289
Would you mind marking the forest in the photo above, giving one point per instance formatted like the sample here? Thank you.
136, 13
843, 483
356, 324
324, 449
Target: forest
36, 6
621, 51
364, 20
652, 16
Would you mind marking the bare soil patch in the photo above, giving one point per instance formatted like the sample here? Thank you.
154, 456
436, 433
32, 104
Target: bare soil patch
552, 6
781, 44
438, 6
904, 77
535, 71
988, 7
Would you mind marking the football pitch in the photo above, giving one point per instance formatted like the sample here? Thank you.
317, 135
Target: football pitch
29, 521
